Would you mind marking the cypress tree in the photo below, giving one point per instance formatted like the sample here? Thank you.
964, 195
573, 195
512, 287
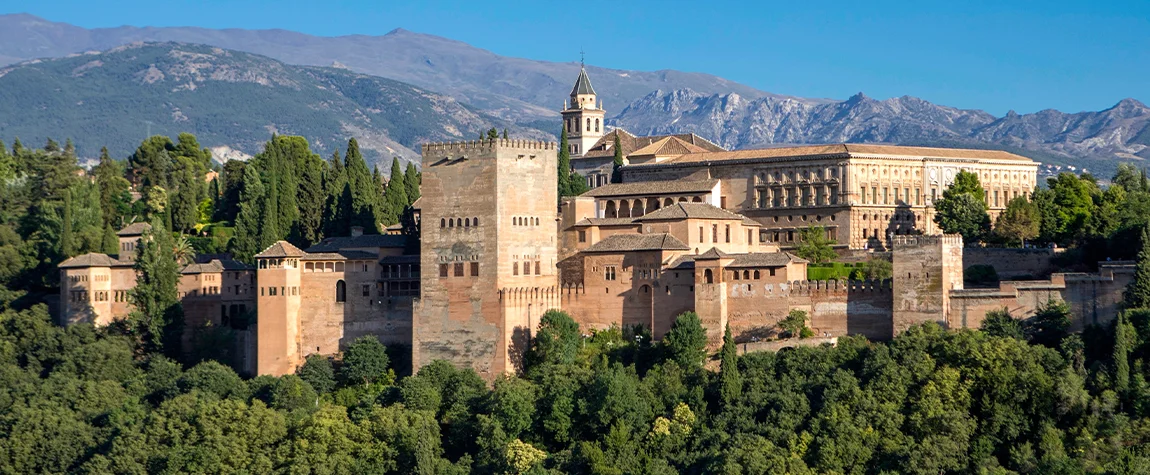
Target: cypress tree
1121, 352
380, 207
246, 242
504, 134
616, 175
335, 219
564, 176
411, 179
1138, 292
67, 240
157, 317
730, 382
110, 242
269, 224
312, 199
396, 195
364, 200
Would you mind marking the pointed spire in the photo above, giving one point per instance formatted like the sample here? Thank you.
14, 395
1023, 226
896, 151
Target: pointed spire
583, 84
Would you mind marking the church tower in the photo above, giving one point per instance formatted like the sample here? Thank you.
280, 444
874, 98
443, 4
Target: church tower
583, 116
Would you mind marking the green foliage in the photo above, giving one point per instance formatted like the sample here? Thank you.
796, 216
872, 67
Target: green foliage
962, 214
411, 179
365, 361
361, 192
686, 341
248, 241
1019, 222
980, 274
157, 317
1065, 207
211, 377
876, 268
556, 342
730, 382
318, 372
815, 245
794, 323
1123, 341
395, 198
617, 161
1049, 324
1000, 323
830, 271
1138, 291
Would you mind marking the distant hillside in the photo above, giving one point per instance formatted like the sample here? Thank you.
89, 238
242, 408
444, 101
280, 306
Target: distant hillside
227, 98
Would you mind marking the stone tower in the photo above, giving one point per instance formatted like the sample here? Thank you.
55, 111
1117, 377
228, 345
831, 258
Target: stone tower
583, 116
278, 351
487, 216
926, 269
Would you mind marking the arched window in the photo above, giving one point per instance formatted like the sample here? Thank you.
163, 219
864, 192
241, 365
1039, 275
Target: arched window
442, 223
467, 222
596, 125
756, 275
340, 291
475, 221
708, 277
746, 275
588, 124
459, 222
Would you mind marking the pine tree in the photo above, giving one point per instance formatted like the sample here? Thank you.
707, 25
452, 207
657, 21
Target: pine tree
157, 317
1138, 292
67, 239
504, 134
7, 164
1121, 352
411, 179
492, 134
730, 382
246, 242
564, 163
396, 194
616, 175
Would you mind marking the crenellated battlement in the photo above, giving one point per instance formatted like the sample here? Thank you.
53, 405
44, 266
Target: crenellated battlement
487, 144
805, 287
912, 240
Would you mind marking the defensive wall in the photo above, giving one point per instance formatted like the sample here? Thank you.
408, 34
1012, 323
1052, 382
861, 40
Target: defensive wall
1013, 263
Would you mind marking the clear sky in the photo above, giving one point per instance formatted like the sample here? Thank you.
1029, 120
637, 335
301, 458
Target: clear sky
990, 55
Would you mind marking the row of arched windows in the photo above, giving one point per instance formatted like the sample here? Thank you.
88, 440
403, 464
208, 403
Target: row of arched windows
458, 222
573, 125
524, 221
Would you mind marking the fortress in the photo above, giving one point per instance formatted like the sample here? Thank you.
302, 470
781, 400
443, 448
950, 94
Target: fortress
691, 227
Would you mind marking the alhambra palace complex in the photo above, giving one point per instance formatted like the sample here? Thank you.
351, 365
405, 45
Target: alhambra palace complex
691, 227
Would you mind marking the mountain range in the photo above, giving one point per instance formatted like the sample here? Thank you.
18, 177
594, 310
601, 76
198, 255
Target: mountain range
530, 92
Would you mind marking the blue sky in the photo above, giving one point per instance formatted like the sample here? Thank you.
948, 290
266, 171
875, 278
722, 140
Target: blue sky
990, 55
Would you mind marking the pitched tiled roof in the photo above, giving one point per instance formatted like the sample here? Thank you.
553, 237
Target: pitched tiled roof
638, 242
839, 150
765, 259
653, 188
92, 259
134, 229
338, 255
685, 261
334, 244
712, 253
606, 222
684, 210
404, 259
583, 84
214, 266
630, 143
669, 145
281, 249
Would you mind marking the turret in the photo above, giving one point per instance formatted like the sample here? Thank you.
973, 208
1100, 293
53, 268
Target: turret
583, 116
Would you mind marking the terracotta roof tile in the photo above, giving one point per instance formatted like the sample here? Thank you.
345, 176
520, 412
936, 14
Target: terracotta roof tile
668, 146
839, 150
630, 143
92, 259
338, 255
638, 242
281, 249
134, 229
765, 259
684, 210
653, 188
334, 244
606, 222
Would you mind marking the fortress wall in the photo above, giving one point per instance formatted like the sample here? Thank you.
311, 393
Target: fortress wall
1012, 263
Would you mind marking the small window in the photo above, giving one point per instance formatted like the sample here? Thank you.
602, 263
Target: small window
366, 290
772, 272
537, 268
514, 268
582, 236
271, 291
609, 273
442, 223
735, 275
708, 277
526, 268
443, 270
475, 269
756, 275
340, 291
458, 269
475, 221
728, 233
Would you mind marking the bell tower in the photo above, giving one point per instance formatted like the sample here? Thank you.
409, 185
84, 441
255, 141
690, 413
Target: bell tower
583, 115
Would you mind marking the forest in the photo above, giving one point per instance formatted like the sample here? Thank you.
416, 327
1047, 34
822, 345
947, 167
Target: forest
1017, 396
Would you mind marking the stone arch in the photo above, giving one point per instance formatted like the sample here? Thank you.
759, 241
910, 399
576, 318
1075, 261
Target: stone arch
340, 291
682, 199
697, 199
668, 202
708, 276
611, 212
637, 208
652, 205
624, 209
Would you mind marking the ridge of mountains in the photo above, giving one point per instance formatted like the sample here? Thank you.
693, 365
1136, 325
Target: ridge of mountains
501, 90
232, 101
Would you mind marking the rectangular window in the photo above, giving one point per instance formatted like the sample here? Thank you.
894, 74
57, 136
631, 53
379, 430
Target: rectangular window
906, 195
582, 236
475, 269
723, 202
790, 236
443, 270
514, 268
609, 273
749, 235
917, 197
537, 268
728, 233
714, 233
863, 197
772, 272
885, 195
366, 290
526, 268
700, 234
874, 195
933, 194
271, 291
995, 198
458, 269
896, 197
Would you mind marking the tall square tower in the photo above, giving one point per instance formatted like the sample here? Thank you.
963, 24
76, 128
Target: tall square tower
583, 117
488, 211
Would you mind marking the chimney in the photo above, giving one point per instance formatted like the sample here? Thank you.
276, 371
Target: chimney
356, 231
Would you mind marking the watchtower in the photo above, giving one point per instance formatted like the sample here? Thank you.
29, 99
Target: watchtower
926, 269
278, 327
583, 116
488, 211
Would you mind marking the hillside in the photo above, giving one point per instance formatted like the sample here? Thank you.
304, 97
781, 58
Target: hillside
1092, 139
227, 98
